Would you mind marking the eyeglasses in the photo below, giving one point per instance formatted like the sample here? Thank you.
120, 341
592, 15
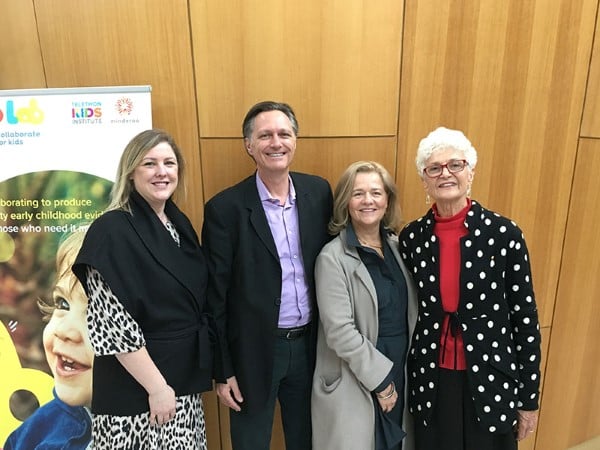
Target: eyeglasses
453, 166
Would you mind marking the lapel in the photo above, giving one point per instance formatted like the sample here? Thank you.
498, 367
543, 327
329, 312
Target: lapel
183, 263
308, 216
393, 243
304, 215
360, 270
412, 302
257, 215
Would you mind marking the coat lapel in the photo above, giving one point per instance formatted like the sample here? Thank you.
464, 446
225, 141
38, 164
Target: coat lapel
360, 270
258, 218
183, 263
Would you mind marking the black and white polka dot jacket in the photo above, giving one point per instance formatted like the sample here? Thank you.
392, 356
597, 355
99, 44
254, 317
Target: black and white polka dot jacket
497, 314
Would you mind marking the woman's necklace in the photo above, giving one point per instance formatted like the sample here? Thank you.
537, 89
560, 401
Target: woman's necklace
377, 247
367, 244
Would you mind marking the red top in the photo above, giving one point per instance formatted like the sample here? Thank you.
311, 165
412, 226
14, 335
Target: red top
449, 230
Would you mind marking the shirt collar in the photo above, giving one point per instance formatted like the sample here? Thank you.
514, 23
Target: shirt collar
265, 195
352, 240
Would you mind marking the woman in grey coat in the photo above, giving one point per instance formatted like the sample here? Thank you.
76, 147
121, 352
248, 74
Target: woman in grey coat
367, 308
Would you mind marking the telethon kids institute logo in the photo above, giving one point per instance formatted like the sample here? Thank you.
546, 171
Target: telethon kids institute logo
86, 112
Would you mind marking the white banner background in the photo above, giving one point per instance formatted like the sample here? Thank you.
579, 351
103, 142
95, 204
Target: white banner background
79, 129
59, 149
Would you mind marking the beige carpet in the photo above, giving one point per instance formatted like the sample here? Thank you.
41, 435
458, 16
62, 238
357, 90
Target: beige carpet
592, 444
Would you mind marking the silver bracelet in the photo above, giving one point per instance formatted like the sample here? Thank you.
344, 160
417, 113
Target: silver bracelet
385, 397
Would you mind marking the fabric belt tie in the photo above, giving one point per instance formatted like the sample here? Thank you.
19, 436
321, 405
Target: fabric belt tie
292, 333
453, 329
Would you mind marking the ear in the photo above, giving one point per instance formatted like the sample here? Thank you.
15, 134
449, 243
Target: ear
471, 175
247, 146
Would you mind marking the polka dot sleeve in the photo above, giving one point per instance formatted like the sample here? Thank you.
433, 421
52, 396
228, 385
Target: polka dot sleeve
524, 319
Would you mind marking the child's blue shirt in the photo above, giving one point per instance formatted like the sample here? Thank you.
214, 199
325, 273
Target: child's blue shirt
53, 426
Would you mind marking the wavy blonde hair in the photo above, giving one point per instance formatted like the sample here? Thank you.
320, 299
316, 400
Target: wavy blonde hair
132, 156
341, 197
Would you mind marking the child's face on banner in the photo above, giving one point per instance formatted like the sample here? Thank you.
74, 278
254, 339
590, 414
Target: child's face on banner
67, 345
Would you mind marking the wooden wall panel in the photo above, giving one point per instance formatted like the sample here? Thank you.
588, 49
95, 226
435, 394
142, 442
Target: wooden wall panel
530, 442
335, 62
20, 58
137, 42
225, 162
572, 389
590, 125
210, 404
512, 76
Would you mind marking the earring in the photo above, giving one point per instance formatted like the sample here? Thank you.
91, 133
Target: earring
469, 192
427, 199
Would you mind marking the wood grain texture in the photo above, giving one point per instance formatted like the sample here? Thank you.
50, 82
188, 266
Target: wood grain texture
20, 57
572, 388
368, 80
137, 42
590, 125
210, 404
511, 75
327, 157
336, 62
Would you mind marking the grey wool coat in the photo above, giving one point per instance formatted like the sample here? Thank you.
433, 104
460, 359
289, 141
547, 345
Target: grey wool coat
348, 365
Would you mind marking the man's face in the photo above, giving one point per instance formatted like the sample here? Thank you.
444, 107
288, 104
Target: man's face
272, 144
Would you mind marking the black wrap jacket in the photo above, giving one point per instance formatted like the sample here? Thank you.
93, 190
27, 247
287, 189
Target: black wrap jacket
163, 287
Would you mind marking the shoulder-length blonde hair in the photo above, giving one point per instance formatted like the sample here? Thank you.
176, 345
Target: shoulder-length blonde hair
132, 156
341, 198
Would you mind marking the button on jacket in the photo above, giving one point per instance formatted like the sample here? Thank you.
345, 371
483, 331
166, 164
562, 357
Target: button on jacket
497, 314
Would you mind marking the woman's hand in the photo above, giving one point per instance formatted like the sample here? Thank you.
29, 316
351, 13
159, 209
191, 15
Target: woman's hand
387, 398
161, 396
526, 423
162, 405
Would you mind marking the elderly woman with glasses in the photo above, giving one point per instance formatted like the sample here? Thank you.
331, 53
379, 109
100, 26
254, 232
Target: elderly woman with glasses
473, 366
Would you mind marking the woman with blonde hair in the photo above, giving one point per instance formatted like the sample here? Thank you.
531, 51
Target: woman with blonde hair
366, 311
144, 272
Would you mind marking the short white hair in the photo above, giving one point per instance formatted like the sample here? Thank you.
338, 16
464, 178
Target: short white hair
442, 138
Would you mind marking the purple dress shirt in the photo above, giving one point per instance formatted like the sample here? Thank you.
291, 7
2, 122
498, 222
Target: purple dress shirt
295, 308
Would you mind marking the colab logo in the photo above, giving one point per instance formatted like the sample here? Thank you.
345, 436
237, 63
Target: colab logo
26, 114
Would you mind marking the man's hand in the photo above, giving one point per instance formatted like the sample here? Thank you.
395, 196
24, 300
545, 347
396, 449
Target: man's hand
229, 394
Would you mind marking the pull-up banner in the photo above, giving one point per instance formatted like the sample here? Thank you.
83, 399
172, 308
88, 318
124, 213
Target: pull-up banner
59, 150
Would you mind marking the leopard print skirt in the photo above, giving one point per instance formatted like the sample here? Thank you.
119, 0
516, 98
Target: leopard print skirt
186, 431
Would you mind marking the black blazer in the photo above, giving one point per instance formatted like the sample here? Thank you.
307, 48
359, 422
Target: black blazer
245, 276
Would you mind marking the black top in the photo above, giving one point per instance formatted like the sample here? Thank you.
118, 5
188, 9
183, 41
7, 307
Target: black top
392, 294
163, 288
392, 335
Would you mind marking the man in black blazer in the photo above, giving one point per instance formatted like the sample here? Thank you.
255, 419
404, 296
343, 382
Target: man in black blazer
261, 239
